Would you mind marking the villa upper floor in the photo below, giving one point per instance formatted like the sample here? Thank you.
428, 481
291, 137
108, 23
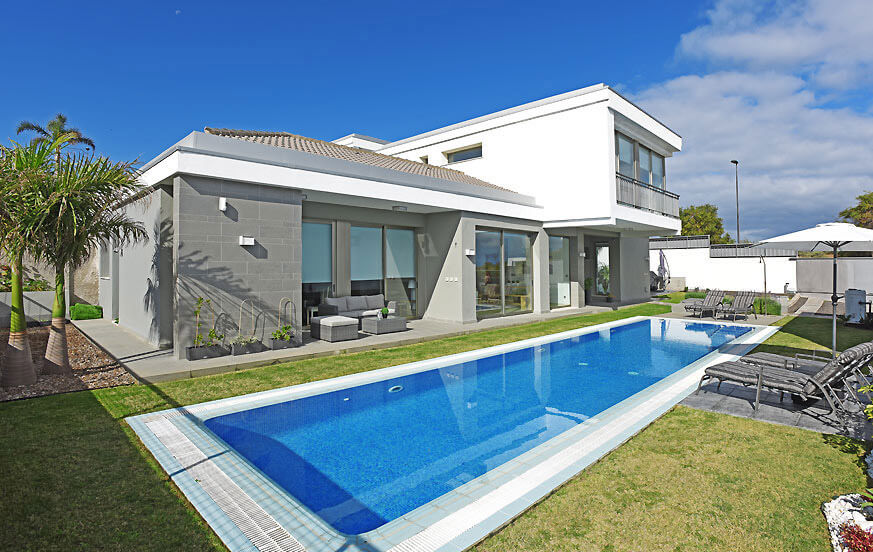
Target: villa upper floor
590, 157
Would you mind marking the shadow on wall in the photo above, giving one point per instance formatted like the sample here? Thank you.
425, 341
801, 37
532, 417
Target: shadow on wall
162, 238
236, 308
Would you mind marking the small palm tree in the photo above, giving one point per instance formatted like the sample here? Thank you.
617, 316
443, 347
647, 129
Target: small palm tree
82, 206
23, 171
53, 130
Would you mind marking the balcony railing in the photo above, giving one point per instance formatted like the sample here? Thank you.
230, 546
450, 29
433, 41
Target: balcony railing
634, 193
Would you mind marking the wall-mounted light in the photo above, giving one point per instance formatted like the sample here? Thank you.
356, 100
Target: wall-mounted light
303, 197
222, 204
469, 252
246, 240
399, 208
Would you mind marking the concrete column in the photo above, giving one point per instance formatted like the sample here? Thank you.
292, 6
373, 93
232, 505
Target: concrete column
540, 270
343, 259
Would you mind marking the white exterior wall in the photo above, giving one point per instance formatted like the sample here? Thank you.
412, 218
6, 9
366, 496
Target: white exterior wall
562, 153
734, 274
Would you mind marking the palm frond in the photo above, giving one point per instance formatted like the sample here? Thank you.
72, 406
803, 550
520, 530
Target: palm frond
27, 126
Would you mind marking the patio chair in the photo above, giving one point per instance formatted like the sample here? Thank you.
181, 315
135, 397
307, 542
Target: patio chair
710, 303
811, 364
743, 304
821, 385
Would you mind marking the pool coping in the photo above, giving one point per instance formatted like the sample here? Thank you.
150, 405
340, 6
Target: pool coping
248, 511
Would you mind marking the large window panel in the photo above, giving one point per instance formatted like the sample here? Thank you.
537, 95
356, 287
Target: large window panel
366, 260
658, 178
317, 242
625, 156
489, 293
400, 283
602, 277
518, 274
645, 165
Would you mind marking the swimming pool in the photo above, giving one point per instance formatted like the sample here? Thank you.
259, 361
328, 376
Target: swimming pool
378, 461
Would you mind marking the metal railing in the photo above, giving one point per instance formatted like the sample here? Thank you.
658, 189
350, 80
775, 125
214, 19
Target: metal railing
634, 193
748, 250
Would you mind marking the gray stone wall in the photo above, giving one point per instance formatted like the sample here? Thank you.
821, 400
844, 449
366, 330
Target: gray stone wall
211, 264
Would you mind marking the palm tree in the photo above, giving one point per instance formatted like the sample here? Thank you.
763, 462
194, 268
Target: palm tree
23, 171
53, 130
82, 206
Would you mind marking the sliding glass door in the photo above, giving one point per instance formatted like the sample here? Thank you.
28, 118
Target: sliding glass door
504, 276
317, 264
602, 258
400, 285
559, 271
489, 288
366, 260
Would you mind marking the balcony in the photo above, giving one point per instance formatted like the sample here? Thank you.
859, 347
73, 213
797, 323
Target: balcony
634, 193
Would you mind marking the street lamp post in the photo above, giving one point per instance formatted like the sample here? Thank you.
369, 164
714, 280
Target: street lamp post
737, 184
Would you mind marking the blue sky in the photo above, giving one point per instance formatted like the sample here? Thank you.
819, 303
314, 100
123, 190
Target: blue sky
735, 78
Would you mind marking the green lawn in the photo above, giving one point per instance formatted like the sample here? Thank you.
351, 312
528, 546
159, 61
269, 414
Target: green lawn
676, 297
73, 475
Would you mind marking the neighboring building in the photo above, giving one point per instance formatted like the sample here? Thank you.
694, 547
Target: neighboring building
552, 192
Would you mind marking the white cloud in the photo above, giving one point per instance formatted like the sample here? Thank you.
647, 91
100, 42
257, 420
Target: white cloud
830, 40
801, 161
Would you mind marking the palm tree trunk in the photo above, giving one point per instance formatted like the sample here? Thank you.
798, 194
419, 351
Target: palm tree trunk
18, 366
57, 359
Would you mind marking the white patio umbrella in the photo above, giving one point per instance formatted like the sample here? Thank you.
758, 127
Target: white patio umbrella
836, 236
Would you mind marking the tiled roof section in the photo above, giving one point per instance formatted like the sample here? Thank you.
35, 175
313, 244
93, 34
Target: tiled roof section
356, 155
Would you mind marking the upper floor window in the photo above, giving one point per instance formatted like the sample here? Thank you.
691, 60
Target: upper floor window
635, 160
464, 154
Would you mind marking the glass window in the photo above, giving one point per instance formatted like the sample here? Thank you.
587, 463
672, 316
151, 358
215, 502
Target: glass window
602, 258
464, 154
489, 300
317, 264
559, 271
400, 282
645, 165
658, 171
105, 260
625, 156
518, 275
366, 260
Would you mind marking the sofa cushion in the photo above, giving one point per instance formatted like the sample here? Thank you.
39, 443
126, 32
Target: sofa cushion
371, 312
375, 301
354, 302
353, 313
335, 321
338, 302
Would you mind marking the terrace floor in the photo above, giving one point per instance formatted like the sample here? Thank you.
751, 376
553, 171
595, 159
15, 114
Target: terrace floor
150, 364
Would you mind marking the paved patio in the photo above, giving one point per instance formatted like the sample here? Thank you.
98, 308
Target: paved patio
150, 364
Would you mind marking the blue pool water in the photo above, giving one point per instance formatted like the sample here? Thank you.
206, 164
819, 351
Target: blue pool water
363, 456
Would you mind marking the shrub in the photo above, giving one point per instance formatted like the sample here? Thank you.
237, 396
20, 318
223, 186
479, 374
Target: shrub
770, 307
695, 295
81, 311
856, 539
30, 284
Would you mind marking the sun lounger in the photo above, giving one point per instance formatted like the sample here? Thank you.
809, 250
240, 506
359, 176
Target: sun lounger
710, 303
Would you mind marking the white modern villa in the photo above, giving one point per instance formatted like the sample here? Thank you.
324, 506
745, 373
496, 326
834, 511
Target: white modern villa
503, 214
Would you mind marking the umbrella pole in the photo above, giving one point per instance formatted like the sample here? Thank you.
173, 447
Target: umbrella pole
834, 309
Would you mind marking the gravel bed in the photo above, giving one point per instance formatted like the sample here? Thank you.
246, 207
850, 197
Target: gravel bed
92, 368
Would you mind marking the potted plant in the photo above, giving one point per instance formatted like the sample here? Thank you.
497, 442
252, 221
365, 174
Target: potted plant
282, 338
588, 283
212, 344
244, 345
383, 313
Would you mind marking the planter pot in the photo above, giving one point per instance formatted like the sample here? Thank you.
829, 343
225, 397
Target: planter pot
237, 349
276, 344
206, 351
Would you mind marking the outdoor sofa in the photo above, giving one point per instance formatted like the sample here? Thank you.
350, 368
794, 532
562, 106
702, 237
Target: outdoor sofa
355, 306
808, 381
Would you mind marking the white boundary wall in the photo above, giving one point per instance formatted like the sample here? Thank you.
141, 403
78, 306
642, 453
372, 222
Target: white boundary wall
735, 274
